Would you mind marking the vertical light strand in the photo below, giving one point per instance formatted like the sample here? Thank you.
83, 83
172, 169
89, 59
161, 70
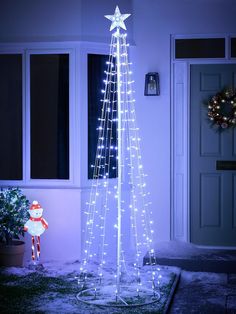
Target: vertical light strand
130, 147
119, 163
92, 204
147, 222
109, 156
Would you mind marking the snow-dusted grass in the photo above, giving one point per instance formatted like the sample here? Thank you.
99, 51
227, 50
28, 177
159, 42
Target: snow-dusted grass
53, 289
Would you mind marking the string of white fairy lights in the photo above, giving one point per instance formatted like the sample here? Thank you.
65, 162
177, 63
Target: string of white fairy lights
118, 138
138, 205
102, 166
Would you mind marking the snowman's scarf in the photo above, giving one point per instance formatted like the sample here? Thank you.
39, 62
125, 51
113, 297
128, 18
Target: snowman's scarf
43, 221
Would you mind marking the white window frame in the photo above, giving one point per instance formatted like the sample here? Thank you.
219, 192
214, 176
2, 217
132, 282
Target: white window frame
26, 50
86, 49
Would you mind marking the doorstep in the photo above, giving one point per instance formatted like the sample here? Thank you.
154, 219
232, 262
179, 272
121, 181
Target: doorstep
192, 258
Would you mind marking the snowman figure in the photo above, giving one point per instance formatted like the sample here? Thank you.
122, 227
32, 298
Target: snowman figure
36, 225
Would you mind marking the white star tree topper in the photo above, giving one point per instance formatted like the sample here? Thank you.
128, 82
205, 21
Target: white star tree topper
117, 19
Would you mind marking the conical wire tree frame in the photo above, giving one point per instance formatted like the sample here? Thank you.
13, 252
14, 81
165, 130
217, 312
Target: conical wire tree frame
119, 204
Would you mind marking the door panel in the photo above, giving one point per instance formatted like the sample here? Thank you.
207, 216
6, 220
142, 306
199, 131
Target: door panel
210, 216
212, 192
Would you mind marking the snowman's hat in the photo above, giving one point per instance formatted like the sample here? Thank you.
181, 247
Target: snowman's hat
35, 205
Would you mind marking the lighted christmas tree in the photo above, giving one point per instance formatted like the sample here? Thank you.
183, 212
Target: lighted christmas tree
118, 210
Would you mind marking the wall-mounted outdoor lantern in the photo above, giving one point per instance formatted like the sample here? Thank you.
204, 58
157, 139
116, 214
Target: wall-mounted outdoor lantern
152, 87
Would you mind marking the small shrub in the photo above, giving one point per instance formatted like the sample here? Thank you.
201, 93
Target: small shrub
13, 214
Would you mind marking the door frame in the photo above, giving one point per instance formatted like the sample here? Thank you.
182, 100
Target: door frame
180, 134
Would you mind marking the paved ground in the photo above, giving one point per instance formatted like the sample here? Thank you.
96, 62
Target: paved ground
207, 283
205, 293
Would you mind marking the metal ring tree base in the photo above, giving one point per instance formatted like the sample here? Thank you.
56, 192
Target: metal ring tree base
129, 296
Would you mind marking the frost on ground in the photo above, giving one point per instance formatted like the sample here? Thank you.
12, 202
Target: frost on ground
53, 287
205, 277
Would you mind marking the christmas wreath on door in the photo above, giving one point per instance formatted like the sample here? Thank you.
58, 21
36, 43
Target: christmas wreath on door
222, 109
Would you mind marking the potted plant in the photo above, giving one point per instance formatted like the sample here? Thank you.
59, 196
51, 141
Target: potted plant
13, 214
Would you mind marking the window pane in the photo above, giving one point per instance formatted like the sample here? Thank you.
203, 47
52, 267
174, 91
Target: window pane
233, 47
96, 67
11, 117
49, 97
200, 48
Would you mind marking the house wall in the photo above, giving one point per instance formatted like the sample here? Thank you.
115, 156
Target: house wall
149, 29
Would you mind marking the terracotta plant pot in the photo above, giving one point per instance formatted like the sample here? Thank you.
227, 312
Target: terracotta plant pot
12, 255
